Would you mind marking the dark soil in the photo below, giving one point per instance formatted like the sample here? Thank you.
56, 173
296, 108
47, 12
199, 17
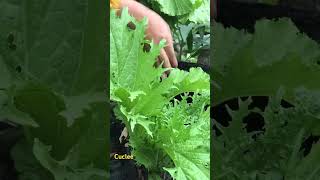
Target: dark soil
187, 65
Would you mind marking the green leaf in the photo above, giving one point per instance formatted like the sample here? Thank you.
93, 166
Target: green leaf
44, 107
135, 82
201, 15
59, 53
61, 169
273, 152
194, 80
12, 114
93, 140
310, 164
187, 146
26, 164
253, 63
157, 130
75, 105
9, 112
132, 68
175, 7
84, 155
65, 60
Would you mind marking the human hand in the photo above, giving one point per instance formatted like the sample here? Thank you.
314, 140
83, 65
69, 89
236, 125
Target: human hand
157, 30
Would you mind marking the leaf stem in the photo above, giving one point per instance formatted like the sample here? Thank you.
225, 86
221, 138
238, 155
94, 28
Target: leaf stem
181, 43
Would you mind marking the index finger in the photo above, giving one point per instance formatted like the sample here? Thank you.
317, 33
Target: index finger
165, 59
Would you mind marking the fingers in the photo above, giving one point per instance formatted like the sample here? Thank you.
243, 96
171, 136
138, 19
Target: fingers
164, 58
171, 55
158, 63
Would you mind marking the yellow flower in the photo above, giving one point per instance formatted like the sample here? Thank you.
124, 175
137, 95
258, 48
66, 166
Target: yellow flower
115, 4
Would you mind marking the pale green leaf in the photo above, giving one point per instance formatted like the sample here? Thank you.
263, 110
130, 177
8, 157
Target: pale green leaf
201, 15
176, 7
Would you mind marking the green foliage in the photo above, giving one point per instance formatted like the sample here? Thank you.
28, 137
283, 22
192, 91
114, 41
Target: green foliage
175, 7
197, 11
63, 169
191, 39
158, 134
201, 14
189, 21
27, 166
50, 52
277, 54
274, 153
279, 62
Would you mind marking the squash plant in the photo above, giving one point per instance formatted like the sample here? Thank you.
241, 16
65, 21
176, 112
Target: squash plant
165, 134
279, 62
